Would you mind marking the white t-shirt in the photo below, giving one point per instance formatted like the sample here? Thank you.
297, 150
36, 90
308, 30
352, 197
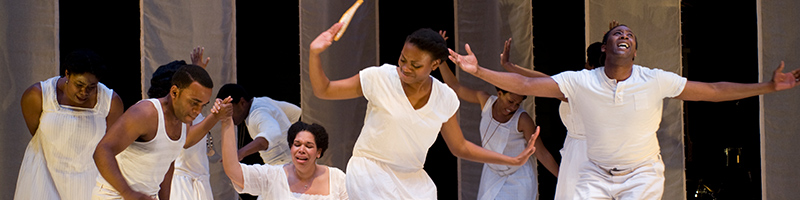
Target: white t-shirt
271, 119
620, 119
390, 151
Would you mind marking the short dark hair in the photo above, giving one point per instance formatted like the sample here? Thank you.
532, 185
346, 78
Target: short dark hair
187, 74
161, 81
605, 36
594, 56
430, 41
320, 135
83, 61
235, 91
506, 91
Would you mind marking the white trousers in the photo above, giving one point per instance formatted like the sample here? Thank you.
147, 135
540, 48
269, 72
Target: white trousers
644, 180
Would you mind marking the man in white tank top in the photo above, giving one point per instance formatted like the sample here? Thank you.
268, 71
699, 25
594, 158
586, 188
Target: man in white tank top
139, 150
266, 119
620, 107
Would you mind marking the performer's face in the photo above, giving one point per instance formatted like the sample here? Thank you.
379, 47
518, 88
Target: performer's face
620, 42
507, 102
304, 149
188, 102
415, 65
80, 88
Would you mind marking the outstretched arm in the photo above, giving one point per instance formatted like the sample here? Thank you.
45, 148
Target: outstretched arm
512, 82
726, 91
511, 67
460, 147
324, 88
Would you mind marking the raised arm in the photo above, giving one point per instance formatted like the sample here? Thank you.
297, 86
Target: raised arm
119, 136
324, 88
528, 129
512, 82
197, 131
230, 162
726, 91
465, 93
460, 147
197, 57
511, 67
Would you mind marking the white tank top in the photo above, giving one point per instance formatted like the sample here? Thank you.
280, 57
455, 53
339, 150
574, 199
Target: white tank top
144, 164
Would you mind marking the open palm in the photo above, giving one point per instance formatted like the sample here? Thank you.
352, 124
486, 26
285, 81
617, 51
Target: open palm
468, 62
787, 80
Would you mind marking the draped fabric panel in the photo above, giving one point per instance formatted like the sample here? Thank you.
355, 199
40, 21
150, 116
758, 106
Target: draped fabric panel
779, 127
355, 50
169, 31
28, 54
657, 27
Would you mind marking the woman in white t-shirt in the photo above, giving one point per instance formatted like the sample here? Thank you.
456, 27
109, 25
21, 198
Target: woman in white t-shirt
406, 110
303, 178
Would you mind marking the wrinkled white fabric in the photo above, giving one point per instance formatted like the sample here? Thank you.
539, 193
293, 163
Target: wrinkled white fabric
573, 154
503, 181
271, 182
58, 161
268, 119
144, 164
390, 151
191, 177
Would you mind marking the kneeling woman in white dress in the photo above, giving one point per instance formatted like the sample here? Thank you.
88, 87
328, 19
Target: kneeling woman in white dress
301, 179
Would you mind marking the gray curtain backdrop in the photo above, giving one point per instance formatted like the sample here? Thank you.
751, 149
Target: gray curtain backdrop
657, 27
355, 50
28, 54
170, 30
778, 41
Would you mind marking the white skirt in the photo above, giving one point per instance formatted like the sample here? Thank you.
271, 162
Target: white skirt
573, 156
370, 179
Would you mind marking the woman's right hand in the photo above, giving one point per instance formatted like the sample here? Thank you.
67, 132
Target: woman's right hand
325, 39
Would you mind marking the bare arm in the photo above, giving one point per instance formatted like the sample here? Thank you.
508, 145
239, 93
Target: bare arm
528, 128
324, 88
467, 94
31, 104
726, 91
512, 82
166, 184
118, 137
511, 67
258, 144
230, 162
460, 147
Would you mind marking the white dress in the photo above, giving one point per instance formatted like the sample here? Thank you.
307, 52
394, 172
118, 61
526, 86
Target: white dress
271, 182
190, 180
144, 164
270, 119
503, 181
389, 154
58, 161
573, 154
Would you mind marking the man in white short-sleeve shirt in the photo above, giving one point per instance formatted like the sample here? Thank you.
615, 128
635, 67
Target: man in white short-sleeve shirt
266, 119
620, 106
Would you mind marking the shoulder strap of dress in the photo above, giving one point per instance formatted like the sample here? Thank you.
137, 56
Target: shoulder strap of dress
49, 87
104, 95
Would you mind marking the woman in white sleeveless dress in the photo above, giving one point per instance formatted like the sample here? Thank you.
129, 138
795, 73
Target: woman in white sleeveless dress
67, 116
302, 179
505, 128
